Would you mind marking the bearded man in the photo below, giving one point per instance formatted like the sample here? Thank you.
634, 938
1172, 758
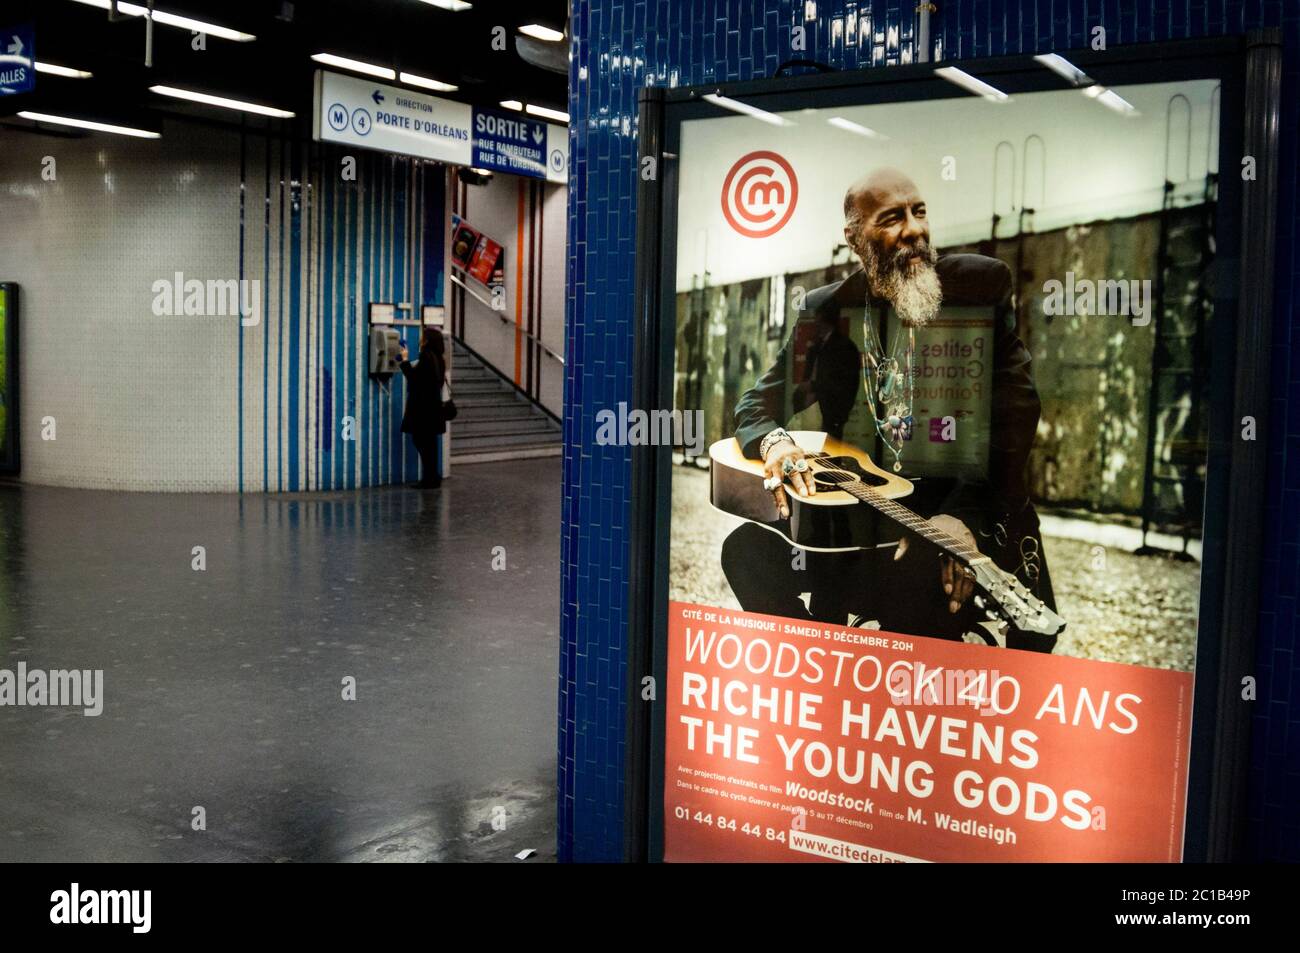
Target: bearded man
902, 585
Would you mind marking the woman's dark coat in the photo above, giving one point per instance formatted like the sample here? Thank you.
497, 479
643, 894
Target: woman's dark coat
423, 418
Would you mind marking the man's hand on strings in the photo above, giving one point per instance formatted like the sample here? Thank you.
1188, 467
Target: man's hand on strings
957, 582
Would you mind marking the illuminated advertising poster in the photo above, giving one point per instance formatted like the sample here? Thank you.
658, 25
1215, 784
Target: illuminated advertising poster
935, 557
476, 254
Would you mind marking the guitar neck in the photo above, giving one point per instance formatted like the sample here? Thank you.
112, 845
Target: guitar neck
911, 521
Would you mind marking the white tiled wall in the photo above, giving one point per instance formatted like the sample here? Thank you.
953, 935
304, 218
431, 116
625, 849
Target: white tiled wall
139, 401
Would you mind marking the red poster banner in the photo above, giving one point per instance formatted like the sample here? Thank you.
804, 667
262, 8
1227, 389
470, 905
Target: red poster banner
796, 741
485, 261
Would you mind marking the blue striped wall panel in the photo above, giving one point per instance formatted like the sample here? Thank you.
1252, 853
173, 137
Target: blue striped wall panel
338, 245
622, 45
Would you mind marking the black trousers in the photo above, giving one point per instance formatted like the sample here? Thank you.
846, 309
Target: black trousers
768, 575
906, 596
426, 445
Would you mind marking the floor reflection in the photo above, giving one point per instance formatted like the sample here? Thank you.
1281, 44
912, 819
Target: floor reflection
224, 688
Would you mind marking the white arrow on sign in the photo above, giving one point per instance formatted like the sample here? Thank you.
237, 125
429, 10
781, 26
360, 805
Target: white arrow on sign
538, 136
16, 46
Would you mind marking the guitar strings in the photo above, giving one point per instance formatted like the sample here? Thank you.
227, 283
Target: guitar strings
898, 511
908, 519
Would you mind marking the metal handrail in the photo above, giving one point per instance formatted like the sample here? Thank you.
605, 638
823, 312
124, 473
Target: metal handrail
504, 320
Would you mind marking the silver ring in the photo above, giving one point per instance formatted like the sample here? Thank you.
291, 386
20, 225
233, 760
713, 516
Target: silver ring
771, 483
787, 466
801, 466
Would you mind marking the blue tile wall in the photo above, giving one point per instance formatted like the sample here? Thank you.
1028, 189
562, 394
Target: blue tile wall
622, 45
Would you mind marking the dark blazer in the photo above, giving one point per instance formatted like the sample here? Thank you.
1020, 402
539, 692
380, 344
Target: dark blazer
833, 380
423, 417
834, 369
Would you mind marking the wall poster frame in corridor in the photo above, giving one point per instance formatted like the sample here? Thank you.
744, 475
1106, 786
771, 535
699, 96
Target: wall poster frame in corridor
10, 448
951, 555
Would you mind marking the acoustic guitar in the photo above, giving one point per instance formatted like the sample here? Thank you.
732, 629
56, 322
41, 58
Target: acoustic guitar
835, 519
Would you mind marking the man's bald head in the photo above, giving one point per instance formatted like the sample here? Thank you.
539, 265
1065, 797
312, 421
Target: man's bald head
886, 226
874, 190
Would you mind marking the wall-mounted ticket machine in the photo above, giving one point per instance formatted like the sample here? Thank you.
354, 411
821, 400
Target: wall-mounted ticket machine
384, 345
385, 339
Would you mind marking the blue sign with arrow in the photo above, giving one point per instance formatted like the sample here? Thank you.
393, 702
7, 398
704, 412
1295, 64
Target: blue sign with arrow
17, 59
509, 142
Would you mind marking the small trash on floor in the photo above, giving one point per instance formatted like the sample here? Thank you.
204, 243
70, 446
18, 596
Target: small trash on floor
525, 853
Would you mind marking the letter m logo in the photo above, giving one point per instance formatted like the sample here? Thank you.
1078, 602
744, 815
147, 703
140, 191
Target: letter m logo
766, 193
914, 815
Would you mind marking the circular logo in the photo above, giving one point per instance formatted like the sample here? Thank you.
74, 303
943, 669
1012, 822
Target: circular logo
338, 117
557, 159
759, 194
361, 122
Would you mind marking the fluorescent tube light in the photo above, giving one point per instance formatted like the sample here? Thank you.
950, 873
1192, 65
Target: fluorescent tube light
455, 6
173, 19
514, 104
735, 105
546, 113
1111, 100
972, 85
839, 122
539, 32
221, 101
67, 71
87, 124
1064, 68
412, 80
356, 66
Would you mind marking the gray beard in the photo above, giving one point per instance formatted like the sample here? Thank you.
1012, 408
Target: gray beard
916, 297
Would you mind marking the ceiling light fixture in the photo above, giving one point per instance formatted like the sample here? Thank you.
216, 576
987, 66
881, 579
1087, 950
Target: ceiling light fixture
412, 80
839, 122
1112, 100
539, 32
546, 113
972, 85
221, 101
356, 66
1064, 68
735, 105
87, 124
67, 71
455, 6
514, 104
173, 19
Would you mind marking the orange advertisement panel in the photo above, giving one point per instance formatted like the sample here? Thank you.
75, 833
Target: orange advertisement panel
798, 741
486, 261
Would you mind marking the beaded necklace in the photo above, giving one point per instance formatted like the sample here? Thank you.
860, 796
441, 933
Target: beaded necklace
890, 385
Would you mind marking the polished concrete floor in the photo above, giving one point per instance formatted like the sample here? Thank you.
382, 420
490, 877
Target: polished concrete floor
223, 688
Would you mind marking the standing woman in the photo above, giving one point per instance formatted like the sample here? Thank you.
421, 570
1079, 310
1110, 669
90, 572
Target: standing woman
424, 418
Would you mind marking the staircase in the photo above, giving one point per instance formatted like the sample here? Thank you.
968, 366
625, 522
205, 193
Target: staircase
494, 421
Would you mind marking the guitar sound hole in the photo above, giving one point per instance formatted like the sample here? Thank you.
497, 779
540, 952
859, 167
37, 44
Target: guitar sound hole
830, 479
